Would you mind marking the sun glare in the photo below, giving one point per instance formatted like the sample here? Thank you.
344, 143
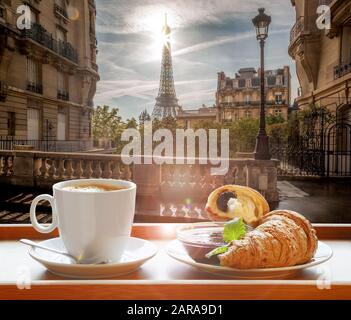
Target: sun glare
154, 24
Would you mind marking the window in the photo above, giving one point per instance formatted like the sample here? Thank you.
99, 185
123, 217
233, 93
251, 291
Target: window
345, 55
247, 114
61, 34
278, 112
34, 16
279, 80
33, 117
279, 98
34, 76
62, 86
229, 99
247, 99
11, 124
61, 126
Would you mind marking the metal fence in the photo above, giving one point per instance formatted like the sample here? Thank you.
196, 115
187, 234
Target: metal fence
8, 143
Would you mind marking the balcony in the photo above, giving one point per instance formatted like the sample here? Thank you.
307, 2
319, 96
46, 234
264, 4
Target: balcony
297, 29
342, 69
252, 103
34, 87
160, 187
10, 143
63, 95
60, 12
62, 48
92, 3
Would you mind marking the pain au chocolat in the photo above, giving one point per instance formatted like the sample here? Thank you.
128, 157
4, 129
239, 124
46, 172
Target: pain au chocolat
232, 201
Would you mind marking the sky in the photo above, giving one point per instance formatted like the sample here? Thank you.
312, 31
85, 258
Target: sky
208, 36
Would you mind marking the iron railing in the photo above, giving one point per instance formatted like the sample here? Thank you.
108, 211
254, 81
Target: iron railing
342, 69
297, 29
61, 11
63, 95
50, 145
252, 103
35, 87
40, 35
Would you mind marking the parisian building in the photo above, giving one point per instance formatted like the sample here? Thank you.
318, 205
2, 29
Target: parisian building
323, 55
48, 74
240, 97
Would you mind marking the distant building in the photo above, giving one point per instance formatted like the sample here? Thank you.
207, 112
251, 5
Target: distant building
188, 119
239, 97
48, 75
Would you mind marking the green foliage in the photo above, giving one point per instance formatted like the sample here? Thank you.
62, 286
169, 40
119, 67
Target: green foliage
107, 124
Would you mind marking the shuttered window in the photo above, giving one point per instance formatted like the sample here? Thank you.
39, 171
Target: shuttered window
61, 86
61, 126
33, 73
33, 120
11, 123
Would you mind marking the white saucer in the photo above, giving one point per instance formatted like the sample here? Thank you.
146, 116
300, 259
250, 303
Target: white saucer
137, 252
177, 251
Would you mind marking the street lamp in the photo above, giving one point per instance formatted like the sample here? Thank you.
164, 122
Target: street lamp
261, 23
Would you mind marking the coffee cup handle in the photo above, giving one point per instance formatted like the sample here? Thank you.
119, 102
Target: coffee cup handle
37, 226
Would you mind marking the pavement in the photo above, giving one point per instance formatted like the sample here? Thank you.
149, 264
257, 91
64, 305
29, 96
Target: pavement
320, 201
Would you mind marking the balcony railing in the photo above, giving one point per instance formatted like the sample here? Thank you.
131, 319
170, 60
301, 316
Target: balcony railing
342, 69
63, 95
35, 87
252, 103
92, 3
167, 184
297, 29
40, 35
58, 10
50, 145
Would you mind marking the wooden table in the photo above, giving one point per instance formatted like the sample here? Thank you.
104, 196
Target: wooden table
165, 278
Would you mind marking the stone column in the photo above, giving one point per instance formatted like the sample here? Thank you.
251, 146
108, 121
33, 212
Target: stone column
148, 181
262, 176
23, 166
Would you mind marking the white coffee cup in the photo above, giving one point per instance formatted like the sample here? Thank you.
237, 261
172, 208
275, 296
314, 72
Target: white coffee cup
94, 226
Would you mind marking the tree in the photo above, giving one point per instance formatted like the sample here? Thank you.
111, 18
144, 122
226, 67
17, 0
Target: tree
107, 124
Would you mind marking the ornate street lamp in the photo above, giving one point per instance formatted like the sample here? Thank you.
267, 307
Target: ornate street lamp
261, 23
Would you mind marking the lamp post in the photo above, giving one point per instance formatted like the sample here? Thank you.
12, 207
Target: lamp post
261, 23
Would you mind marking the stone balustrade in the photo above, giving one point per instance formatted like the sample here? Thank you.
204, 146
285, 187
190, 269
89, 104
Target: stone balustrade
167, 184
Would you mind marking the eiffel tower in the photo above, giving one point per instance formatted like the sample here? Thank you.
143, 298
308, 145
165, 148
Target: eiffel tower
166, 101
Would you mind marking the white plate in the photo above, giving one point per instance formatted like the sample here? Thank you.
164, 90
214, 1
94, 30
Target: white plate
176, 250
138, 251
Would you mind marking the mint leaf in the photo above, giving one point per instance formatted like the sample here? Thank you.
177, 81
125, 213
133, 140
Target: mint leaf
217, 251
234, 230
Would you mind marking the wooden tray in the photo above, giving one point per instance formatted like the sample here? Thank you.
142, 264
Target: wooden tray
165, 278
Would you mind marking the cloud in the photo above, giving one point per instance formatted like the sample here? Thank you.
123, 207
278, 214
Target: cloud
208, 36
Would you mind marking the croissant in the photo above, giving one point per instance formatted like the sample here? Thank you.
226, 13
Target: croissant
282, 239
232, 201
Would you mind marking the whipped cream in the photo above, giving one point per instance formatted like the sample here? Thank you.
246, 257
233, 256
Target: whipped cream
236, 209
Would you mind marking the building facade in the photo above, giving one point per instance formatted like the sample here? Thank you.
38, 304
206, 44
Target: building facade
322, 56
189, 119
239, 97
48, 74
322, 52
